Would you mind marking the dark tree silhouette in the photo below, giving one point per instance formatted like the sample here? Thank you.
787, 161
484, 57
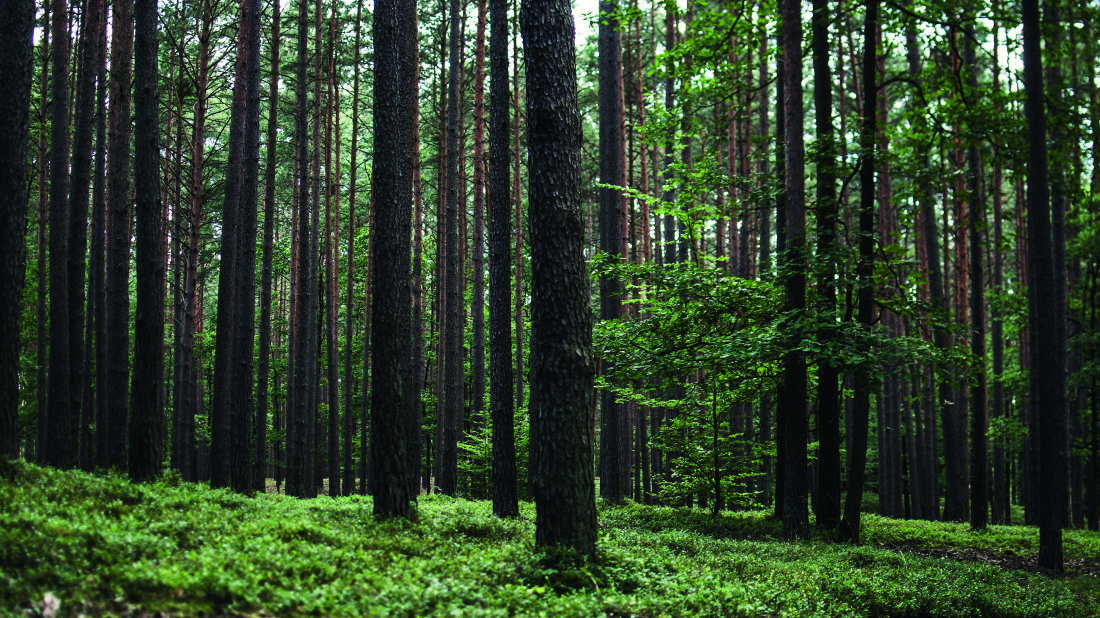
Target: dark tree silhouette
828, 393
561, 326
392, 398
795, 514
849, 525
259, 474
614, 446
505, 499
453, 318
60, 448
146, 444
1040, 269
16, 70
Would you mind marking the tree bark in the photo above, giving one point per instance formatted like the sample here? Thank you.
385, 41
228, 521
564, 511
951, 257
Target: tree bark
1040, 269
828, 395
501, 401
478, 304
391, 397
259, 469
78, 222
349, 381
795, 514
61, 440
16, 71
613, 445
561, 346
146, 442
453, 364
850, 525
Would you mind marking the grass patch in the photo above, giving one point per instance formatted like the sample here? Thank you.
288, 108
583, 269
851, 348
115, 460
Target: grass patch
103, 546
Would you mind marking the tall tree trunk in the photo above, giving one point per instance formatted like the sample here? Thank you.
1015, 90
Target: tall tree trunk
391, 397
331, 270
1000, 487
828, 394
146, 444
16, 71
613, 445
98, 256
314, 468
452, 395
849, 525
78, 222
41, 330
259, 469
979, 425
221, 409
561, 344
1043, 314
517, 193
795, 515
61, 442
478, 304
780, 250
119, 220
297, 479
241, 405
501, 401
416, 453
349, 383
189, 402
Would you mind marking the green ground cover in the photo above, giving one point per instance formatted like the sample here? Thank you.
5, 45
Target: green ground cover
100, 545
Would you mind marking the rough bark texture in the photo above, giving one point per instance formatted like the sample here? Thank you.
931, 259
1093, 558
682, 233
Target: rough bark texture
241, 403
16, 70
561, 337
849, 525
795, 514
828, 394
61, 444
78, 222
392, 398
452, 362
97, 289
349, 381
477, 307
296, 479
146, 444
613, 444
505, 495
259, 469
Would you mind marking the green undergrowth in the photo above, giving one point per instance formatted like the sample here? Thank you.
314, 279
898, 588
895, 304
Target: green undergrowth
103, 546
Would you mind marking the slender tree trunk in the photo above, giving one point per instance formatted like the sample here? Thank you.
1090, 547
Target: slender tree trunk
146, 444
780, 252
263, 370
562, 364
613, 445
331, 270
41, 330
98, 256
478, 305
517, 193
61, 442
452, 395
84, 113
119, 217
297, 479
1000, 487
416, 453
849, 526
828, 407
16, 72
979, 447
349, 384
795, 515
189, 403
1043, 314
505, 498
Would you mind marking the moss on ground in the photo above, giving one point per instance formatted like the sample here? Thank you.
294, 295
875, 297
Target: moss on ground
100, 545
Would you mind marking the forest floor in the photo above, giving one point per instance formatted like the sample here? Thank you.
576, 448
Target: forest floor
74, 543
